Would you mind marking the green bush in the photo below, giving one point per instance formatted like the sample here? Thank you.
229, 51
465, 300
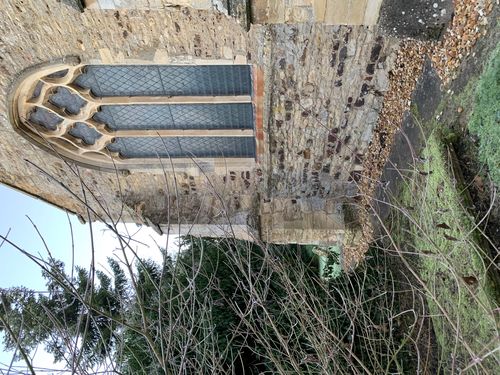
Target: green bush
219, 307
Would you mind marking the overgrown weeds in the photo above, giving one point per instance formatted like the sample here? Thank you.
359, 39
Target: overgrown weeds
425, 301
485, 119
420, 303
454, 269
222, 307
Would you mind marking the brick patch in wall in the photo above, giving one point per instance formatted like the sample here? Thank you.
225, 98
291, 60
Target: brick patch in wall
258, 82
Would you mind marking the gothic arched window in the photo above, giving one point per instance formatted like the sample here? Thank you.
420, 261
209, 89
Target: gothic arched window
126, 116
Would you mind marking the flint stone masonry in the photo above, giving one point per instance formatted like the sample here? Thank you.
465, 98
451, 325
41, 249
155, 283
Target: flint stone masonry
320, 88
43, 31
325, 87
153, 4
330, 12
239, 9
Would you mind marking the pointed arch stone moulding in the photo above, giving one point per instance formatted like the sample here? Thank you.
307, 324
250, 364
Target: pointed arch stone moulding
56, 108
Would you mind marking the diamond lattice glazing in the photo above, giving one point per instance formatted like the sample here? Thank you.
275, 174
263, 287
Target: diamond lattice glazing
85, 133
44, 117
192, 116
179, 147
65, 99
167, 80
145, 92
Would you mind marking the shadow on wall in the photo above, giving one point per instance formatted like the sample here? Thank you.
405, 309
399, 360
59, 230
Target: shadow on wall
76, 4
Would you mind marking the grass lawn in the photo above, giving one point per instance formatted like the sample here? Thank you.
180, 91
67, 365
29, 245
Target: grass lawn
485, 119
453, 267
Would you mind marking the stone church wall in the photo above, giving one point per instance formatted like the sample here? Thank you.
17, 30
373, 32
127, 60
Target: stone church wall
320, 88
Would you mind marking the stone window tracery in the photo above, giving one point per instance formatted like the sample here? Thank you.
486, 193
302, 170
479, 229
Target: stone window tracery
127, 116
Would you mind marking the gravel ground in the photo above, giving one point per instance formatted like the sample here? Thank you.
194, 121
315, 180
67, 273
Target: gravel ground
469, 23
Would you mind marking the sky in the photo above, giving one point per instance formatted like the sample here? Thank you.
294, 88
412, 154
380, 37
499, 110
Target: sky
54, 226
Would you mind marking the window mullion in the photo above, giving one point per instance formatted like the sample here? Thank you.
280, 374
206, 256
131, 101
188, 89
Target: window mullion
183, 133
129, 100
